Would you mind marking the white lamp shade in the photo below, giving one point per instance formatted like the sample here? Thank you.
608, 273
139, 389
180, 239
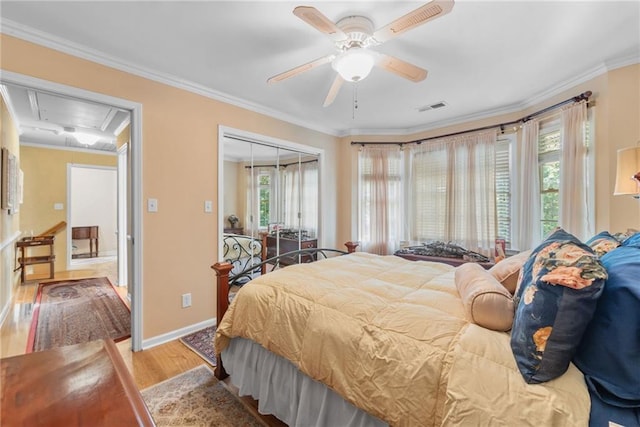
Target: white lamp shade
628, 166
354, 64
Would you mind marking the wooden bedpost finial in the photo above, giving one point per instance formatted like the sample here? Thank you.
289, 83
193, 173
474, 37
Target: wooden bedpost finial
222, 293
351, 246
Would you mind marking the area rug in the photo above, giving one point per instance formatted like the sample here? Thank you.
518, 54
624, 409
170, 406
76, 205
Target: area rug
70, 312
195, 398
201, 342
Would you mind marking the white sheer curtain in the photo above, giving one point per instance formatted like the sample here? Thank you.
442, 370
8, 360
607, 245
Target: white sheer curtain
380, 198
574, 216
300, 196
526, 197
472, 194
453, 191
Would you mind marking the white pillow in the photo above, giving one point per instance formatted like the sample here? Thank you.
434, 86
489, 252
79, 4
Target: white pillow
486, 302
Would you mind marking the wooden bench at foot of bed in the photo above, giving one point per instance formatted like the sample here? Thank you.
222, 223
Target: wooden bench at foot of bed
223, 269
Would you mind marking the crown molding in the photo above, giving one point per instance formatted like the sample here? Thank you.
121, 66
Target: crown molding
27, 143
62, 45
65, 46
609, 65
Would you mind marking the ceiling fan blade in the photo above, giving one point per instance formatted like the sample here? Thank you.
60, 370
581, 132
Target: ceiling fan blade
429, 11
333, 91
301, 69
317, 20
401, 68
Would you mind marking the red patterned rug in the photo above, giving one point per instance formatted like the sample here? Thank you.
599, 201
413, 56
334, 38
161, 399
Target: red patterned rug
75, 311
201, 342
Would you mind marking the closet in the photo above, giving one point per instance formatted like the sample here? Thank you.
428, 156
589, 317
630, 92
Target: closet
272, 189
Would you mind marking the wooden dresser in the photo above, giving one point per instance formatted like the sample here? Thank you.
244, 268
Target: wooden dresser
288, 245
80, 385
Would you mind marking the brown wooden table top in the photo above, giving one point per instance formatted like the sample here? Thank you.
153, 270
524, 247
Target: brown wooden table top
80, 385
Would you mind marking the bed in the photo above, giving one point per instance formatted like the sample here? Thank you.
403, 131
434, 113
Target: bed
364, 340
242, 252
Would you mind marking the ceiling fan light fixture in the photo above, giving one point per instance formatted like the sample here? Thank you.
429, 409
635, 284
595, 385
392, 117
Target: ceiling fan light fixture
85, 138
354, 64
82, 137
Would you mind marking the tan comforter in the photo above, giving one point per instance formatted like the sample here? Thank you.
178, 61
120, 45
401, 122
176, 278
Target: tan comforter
390, 336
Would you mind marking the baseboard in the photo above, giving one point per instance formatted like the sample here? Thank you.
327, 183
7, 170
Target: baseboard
178, 333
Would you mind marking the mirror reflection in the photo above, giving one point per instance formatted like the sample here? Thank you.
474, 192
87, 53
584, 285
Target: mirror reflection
270, 203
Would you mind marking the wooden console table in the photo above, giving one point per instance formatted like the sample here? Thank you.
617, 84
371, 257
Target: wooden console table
236, 230
26, 257
79, 385
86, 233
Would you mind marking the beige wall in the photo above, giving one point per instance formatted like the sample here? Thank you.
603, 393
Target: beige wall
45, 183
617, 125
180, 149
9, 224
232, 192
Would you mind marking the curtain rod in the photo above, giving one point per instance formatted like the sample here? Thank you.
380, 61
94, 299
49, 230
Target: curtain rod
582, 96
281, 164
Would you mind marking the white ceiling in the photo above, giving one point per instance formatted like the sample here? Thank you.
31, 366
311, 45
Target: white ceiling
52, 119
483, 58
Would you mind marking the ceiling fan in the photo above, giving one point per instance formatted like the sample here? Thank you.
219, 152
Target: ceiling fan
354, 35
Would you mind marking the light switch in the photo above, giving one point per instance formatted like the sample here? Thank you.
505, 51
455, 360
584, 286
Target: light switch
208, 206
58, 206
152, 205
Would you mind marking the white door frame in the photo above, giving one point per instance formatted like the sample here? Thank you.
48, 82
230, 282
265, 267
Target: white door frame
135, 245
123, 153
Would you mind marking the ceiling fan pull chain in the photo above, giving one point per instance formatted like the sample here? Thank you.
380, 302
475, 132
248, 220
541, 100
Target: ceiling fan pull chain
355, 101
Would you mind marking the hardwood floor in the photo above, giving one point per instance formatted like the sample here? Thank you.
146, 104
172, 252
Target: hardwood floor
147, 367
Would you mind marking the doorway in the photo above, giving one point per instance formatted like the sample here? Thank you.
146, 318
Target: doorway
133, 231
92, 207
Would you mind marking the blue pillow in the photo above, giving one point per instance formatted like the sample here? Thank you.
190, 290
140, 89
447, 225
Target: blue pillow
602, 243
609, 355
633, 240
557, 295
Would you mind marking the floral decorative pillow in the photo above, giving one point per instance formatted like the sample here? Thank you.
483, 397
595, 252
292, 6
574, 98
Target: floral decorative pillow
602, 243
559, 287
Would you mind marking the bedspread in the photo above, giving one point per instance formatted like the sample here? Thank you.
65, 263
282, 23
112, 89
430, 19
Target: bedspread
391, 337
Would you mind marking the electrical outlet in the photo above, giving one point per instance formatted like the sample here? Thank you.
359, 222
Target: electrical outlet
186, 300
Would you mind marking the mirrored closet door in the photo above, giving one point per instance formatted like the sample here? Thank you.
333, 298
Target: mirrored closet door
271, 193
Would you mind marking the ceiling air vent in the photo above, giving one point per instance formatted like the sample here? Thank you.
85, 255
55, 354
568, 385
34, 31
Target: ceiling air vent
432, 106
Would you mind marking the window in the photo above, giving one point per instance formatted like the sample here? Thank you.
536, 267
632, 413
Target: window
549, 152
549, 169
381, 200
264, 188
503, 189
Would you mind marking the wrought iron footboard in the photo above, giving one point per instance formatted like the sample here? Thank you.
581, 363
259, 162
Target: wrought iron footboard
301, 256
244, 253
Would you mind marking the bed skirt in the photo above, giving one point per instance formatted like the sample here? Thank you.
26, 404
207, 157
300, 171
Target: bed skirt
285, 392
